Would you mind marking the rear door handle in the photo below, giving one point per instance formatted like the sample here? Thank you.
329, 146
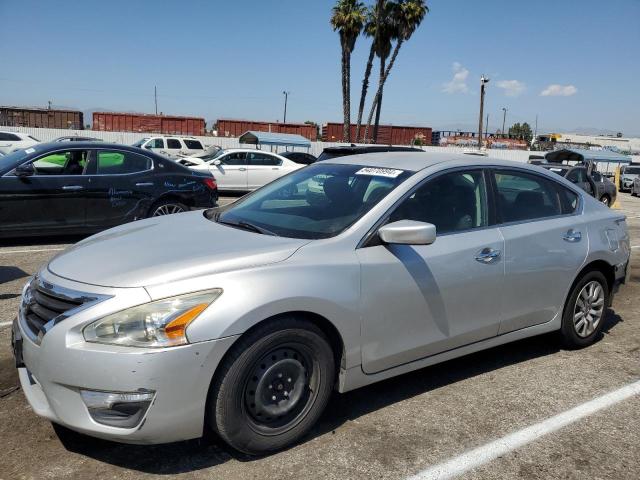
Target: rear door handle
72, 188
572, 236
275, 168
242, 169
144, 184
488, 255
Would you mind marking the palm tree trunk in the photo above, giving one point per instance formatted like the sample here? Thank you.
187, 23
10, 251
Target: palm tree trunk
375, 100
365, 87
383, 79
378, 107
345, 100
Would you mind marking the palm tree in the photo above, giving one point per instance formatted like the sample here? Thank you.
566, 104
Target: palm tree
374, 19
408, 16
348, 18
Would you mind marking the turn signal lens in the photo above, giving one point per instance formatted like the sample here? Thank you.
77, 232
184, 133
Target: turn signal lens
176, 328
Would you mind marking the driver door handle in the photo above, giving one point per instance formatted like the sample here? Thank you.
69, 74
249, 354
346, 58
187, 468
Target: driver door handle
488, 255
144, 184
242, 169
72, 188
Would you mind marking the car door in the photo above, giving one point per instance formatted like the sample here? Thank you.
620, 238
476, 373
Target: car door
54, 197
420, 300
231, 173
262, 168
545, 245
578, 176
121, 187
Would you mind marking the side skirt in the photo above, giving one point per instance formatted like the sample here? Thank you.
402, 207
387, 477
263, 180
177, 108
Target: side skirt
354, 377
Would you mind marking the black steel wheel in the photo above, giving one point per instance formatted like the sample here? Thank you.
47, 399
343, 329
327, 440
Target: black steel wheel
272, 386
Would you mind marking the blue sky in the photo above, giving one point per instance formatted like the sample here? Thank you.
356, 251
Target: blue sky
233, 59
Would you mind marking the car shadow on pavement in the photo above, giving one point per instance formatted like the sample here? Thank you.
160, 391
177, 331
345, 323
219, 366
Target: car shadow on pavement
45, 240
183, 457
8, 274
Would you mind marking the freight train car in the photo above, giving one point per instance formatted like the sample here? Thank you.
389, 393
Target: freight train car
144, 123
234, 128
387, 134
41, 118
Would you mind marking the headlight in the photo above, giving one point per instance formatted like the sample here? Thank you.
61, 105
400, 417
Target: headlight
157, 324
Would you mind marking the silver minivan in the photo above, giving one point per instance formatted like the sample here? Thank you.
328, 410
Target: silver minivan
243, 319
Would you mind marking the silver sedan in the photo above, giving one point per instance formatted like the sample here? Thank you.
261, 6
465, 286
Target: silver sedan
243, 319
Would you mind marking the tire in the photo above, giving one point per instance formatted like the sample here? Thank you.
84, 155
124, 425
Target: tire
167, 207
605, 199
577, 331
286, 353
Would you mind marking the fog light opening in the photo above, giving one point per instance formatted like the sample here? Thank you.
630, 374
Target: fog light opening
117, 409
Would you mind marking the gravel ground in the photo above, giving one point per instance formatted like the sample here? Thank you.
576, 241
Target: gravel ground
392, 429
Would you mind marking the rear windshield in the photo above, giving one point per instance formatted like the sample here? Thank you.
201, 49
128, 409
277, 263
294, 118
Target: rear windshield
632, 170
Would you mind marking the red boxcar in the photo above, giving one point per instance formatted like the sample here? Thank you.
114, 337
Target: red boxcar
234, 128
41, 118
143, 123
387, 134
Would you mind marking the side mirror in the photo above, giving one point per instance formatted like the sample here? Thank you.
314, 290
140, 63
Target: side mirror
217, 162
408, 232
25, 170
148, 146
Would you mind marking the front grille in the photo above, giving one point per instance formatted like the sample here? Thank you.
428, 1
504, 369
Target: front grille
41, 306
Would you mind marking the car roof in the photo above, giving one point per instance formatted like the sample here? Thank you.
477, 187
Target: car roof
415, 162
89, 144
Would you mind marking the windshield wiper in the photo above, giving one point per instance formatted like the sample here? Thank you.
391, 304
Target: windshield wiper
248, 226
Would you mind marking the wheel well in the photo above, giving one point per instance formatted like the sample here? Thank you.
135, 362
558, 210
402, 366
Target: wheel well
169, 196
601, 266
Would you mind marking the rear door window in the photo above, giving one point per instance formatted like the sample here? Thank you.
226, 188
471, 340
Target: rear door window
193, 144
523, 196
262, 159
174, 144
117, 163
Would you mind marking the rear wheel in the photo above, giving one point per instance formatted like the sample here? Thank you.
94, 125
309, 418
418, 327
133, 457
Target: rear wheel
167, 207
273, 386
585, 310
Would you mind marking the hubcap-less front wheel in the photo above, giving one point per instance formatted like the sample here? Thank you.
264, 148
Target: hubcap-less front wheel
588, 309
277, 392
168, 209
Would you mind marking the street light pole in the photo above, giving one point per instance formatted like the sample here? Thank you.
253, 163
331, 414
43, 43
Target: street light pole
504, 118
286, 96
483, 81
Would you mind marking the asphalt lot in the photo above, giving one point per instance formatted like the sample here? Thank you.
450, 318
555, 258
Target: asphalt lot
393, 429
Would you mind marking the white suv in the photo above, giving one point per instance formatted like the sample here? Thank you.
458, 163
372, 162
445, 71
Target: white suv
10, 141
172, 147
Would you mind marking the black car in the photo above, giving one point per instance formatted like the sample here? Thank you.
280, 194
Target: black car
342, 151
299, 157
85, 187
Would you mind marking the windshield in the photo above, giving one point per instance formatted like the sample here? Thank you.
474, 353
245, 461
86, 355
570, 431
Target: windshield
319, 201
210, 155
631, 170
13, 159
140, 142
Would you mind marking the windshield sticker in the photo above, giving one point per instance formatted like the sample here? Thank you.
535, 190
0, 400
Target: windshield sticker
380, 172
29, 150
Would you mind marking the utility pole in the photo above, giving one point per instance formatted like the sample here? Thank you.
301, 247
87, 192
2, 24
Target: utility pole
155, 96
504, 118
286, 96
486, 127
483, 81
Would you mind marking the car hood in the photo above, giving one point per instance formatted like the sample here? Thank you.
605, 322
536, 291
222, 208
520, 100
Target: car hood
167, 249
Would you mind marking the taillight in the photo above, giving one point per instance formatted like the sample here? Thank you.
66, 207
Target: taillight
211, 183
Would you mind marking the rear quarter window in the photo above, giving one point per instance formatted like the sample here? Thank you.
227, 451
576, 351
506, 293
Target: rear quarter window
193, 144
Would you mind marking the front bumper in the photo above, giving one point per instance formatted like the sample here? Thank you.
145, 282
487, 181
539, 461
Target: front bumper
53, 373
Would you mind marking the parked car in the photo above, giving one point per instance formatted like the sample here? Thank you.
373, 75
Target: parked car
83, 187
635, 187
200, 158
75, 138
628, 173
238, 169
593, 183
273, 302
10, 141
344, 150
171, 146
299, 157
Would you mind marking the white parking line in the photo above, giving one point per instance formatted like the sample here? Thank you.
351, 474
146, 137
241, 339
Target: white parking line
635, 246
32, 250
486, 453
5, 324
